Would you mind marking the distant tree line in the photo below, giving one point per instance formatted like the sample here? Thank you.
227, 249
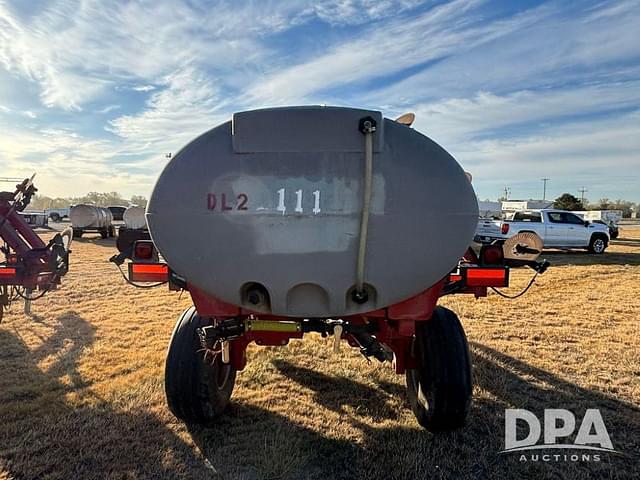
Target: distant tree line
100, 199
566, 201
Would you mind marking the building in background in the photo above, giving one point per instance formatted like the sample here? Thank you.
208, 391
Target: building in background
517, 205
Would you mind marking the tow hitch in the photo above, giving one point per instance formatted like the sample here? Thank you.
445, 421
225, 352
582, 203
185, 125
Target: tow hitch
211, 336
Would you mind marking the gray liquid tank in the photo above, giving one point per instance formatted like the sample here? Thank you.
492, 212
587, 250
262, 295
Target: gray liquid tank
266, 212
90, 216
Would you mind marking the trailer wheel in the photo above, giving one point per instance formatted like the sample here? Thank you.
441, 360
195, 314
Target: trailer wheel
197, 391
77, 233
440, 388
104, 233
598, 244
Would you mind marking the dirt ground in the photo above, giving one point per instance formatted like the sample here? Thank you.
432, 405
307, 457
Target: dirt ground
81, 392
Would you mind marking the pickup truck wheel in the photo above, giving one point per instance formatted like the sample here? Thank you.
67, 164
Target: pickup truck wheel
55, 217
197, 389
440, 388
598, 244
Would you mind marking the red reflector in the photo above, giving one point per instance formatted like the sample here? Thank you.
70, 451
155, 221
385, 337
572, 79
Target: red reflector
148, 272
7, 272
143, 250
491, 255
455, 278
505, 228
487, 277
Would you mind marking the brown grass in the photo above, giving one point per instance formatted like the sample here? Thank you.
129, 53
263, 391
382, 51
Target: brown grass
81, 391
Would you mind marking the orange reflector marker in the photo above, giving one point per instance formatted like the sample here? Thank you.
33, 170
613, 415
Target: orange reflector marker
148, 272
486, 277
454, 277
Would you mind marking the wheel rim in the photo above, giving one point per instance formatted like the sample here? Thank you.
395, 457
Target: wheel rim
598, 245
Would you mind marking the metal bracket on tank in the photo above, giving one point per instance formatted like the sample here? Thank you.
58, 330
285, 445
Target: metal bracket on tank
367, 127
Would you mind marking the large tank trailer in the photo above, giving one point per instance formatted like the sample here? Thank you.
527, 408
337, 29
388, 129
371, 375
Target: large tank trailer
89, 218
338, 221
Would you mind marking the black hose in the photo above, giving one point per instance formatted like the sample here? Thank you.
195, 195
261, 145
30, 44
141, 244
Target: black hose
136, 284
511, 297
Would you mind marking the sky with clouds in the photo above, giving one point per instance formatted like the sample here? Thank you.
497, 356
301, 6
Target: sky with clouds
94, 93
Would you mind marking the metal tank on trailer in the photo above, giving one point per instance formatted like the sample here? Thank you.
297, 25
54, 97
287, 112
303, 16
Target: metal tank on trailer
332, 220
89, 218
274, 200
134, 229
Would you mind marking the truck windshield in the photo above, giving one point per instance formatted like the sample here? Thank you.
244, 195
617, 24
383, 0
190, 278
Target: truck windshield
527, 217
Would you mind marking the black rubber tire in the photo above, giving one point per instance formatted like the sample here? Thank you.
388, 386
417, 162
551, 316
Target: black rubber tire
104, 233
598, 244
55, 217
440, 388
77, 233
197, 392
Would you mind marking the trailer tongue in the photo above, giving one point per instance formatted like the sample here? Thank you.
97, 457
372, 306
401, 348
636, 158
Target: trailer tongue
30, 267
317, 219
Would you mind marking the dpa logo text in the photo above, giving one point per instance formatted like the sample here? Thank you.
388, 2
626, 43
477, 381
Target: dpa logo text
591, 437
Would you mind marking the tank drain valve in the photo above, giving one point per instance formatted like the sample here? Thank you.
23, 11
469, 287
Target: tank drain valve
337, 335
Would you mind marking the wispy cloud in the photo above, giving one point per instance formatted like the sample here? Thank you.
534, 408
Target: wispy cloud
108, 108
188, 104
143, 88
503, 86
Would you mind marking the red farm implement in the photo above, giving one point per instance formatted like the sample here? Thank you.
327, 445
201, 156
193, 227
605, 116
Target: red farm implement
30, 268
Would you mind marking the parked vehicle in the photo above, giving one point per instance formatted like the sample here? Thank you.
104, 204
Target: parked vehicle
614, 231
58, 214
117, 212
34, 218
610, 218
557, 228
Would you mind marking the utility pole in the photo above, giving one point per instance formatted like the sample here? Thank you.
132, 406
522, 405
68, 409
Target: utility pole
544, 188
507, 192
582, 192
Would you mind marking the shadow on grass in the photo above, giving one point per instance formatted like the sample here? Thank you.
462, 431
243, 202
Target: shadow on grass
43, 435
627, 242
559, 258
95, 239
250, 442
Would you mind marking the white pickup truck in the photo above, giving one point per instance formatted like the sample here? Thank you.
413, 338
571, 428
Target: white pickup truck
557, 228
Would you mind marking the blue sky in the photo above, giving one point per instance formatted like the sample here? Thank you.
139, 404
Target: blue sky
93, 93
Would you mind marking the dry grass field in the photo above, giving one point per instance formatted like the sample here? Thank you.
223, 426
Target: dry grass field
81, 392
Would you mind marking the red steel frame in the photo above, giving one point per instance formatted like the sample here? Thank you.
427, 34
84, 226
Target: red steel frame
32, 265
396, 323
